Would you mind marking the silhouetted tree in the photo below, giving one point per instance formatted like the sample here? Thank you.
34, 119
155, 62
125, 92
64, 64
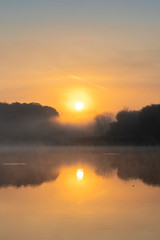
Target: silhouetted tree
26, 122
102, 123
150, 123
136, 127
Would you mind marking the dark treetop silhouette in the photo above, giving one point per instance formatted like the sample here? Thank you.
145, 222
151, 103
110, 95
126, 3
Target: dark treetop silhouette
25, 122
131, 127
136, 127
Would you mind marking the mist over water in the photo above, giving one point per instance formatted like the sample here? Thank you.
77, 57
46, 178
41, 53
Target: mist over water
26, 165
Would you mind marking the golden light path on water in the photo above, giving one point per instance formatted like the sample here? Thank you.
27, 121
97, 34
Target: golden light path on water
78, 183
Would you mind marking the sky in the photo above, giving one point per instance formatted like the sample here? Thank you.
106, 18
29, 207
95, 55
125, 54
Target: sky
103, 53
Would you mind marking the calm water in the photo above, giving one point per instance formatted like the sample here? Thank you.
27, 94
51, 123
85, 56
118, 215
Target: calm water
42, 198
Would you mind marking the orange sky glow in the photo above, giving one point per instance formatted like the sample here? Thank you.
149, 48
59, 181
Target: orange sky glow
104, 60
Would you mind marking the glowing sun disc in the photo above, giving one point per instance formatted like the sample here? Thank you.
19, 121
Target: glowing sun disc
79, 106
80, 174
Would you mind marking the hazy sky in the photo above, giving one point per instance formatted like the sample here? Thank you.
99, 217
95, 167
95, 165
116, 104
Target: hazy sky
104, 53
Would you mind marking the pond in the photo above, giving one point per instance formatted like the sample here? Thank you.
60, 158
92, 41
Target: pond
68, 193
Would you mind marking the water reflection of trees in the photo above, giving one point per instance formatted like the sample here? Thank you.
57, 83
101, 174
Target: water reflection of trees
23, 167
144, 166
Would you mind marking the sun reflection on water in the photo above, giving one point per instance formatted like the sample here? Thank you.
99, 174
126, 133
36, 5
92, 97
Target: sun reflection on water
78, 183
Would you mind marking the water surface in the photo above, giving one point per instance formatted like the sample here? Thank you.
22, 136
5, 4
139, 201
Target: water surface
42, 198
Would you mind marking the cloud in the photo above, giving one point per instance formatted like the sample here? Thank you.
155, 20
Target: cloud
86, 81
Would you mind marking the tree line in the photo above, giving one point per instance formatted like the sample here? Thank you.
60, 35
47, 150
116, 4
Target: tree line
132, 127
34, 123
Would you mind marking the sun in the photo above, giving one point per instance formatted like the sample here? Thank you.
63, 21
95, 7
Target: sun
80, 174
79, 106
